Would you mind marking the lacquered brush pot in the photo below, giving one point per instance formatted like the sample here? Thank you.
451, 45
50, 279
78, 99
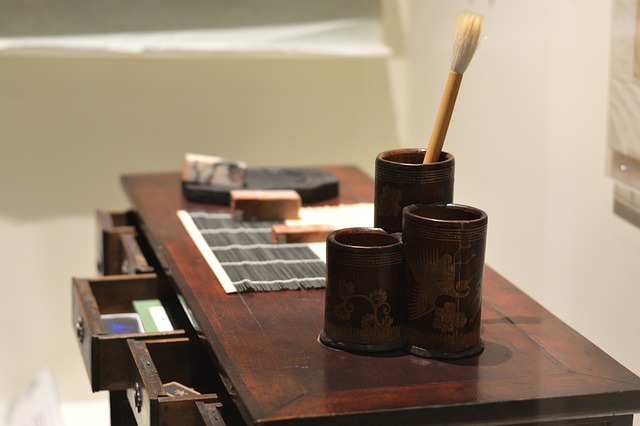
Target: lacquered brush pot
364, 289
401, 179
444, 248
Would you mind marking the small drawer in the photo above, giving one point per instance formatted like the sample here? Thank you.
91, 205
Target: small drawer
104, 349
122, 247
160, 369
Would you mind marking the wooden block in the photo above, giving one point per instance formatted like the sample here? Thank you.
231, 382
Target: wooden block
291, 234
278, 204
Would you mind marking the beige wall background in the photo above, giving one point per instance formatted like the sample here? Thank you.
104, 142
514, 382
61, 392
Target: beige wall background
528, 132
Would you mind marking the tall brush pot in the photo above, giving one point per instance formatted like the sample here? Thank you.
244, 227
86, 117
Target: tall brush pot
401, 179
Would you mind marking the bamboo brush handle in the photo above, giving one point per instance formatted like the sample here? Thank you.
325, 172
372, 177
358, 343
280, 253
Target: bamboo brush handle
443, 118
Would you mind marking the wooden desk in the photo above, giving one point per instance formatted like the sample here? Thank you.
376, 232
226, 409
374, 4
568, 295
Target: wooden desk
534, 369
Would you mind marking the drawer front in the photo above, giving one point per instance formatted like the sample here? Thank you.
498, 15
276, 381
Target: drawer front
104, 352
87, 326
156, 366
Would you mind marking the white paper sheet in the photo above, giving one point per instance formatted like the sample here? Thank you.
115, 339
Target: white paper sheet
35, 404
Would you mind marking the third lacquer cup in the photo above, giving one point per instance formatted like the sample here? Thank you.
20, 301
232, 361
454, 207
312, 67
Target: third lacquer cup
401, 179
364, 289
444, 249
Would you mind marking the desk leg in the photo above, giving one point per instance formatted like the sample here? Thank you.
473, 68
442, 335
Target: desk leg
121, 414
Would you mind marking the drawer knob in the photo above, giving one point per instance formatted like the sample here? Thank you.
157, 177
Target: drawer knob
80, 329
137, 396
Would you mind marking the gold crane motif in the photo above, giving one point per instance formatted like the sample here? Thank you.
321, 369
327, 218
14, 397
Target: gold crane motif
434, 276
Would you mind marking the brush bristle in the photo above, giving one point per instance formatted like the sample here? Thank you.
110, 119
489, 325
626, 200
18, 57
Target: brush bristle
465, 40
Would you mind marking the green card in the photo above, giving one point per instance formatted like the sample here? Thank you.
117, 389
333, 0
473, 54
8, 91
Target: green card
153, 315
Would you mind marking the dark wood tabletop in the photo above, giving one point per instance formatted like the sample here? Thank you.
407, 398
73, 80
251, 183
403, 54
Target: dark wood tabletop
534, 368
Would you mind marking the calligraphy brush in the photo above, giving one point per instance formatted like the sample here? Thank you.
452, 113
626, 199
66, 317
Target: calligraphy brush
465, 41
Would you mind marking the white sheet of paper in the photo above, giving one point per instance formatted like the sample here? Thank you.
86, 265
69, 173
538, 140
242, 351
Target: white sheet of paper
35, 404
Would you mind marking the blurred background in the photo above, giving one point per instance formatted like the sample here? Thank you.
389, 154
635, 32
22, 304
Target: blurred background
529, 133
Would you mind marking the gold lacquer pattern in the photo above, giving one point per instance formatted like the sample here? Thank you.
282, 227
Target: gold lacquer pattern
380, 316
435, 234
435, 276
361, 260
448, 319
414, 175
389, 202
376, 323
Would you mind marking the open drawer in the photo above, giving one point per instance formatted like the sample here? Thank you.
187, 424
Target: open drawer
104, 317
169, 377
122, 248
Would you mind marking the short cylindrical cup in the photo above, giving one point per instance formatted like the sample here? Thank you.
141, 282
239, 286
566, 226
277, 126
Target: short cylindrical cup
444, 248
364, 288
401, 179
